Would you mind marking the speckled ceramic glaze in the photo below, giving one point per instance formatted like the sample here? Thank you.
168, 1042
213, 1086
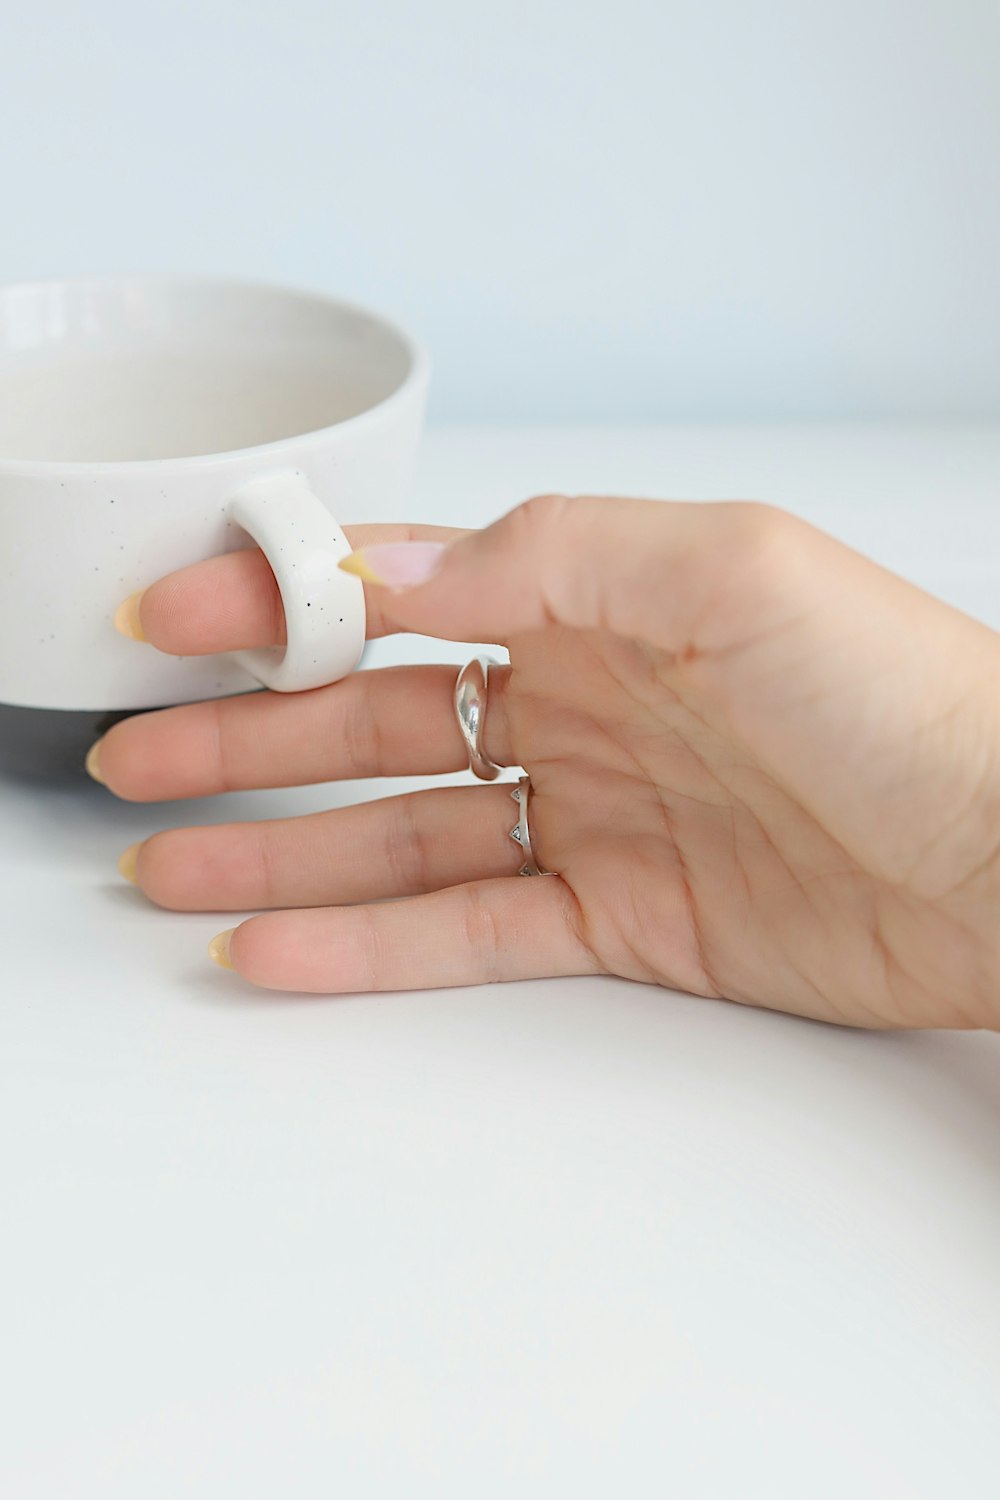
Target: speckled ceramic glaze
146, 423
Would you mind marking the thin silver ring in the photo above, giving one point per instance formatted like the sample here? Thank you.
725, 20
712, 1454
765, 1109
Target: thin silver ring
471, 689
520, 833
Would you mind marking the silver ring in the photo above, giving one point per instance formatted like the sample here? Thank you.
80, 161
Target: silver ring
471, 688
520, 834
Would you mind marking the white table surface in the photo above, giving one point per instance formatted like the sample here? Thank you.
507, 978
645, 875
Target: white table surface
563, 1239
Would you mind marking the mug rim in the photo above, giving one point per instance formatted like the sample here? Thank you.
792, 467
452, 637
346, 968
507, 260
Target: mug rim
418, 374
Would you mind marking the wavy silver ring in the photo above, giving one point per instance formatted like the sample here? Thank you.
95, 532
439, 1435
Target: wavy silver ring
471, 688
520, 834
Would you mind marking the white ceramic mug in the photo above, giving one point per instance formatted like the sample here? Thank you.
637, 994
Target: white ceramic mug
149, 422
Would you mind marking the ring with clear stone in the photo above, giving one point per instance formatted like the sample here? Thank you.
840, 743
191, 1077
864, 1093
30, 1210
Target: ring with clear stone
520, 833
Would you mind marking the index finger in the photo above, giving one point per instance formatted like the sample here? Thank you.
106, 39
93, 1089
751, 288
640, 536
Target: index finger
232, 603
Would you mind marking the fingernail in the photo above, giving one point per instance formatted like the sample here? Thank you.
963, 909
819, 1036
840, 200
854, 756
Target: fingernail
218, 949
128, 861
127, 617
93, 762
395, 565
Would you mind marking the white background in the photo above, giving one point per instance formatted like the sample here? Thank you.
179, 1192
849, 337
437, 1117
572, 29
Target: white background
639, 210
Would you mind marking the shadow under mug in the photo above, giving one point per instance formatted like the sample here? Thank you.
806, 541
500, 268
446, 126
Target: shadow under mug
149, 422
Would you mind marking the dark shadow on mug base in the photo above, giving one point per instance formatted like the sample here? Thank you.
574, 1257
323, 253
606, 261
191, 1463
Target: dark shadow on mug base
50, 744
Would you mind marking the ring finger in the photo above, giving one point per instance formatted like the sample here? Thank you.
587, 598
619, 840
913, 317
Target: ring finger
397, 846
396, 721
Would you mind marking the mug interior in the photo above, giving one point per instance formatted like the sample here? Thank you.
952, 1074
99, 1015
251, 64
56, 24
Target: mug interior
109, 370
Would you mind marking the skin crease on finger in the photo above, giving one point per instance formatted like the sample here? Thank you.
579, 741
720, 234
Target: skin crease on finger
787, 804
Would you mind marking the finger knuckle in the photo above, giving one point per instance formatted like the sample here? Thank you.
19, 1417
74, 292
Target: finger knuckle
760, 525
552, 526
481, 934
221, 740
261, 863
370, 953
541, 515
405, 847
764, 542
359, 728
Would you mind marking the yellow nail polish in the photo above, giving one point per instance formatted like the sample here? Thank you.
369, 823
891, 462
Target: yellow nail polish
358, 564
93, 762
218, 948
128, 862
127, 617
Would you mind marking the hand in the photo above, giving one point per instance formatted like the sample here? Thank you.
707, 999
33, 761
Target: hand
763, 768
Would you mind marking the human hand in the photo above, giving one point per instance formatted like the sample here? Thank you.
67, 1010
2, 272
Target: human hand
762, 768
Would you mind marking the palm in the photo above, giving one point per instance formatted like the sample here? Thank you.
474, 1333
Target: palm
692, 865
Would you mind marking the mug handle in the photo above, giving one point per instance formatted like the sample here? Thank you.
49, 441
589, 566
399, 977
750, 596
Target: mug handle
324, 607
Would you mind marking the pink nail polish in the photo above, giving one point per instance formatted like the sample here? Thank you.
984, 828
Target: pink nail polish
396, 565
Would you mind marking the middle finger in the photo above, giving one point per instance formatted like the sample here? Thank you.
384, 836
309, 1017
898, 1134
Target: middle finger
396, 721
